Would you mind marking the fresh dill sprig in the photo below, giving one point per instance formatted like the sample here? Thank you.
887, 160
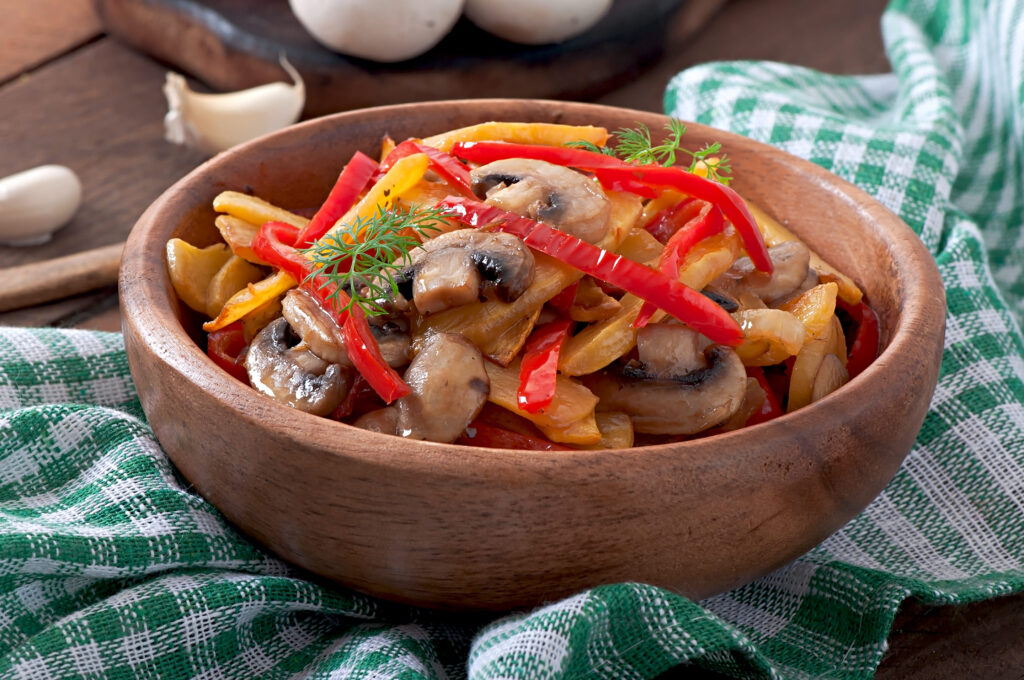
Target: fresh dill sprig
715, 164
637, 146
590, 146
365, 267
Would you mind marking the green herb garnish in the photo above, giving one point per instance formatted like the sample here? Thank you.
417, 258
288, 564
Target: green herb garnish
367, 267
636, 146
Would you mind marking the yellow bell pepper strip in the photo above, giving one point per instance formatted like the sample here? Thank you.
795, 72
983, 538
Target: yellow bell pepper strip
708, 222
613, 172
403, 175
251, 298
539, 367
343, 196
254, 210
553, 134
684, 303
447, 166
273, 243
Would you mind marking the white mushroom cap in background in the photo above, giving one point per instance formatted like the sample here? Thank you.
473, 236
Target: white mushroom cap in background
381, 30
536, 22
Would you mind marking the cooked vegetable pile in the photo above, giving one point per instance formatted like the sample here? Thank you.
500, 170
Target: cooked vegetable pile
527, 285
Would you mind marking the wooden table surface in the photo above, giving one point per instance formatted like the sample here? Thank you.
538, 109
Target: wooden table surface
71, 95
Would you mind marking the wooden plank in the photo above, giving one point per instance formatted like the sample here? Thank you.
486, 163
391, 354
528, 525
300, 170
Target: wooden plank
100, 112
30, 36
231, 44
81, 311
834, 37
39, 282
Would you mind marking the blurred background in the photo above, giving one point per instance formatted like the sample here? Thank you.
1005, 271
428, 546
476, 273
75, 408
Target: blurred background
81, 86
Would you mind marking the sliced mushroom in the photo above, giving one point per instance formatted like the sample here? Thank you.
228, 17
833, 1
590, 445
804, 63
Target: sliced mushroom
292, 374
315, 326
384, 420
548, 193
681, 404
465, 265
667, 349
791, 261
323, 337
449, 387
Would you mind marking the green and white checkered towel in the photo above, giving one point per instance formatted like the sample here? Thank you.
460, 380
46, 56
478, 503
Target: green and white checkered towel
111, 567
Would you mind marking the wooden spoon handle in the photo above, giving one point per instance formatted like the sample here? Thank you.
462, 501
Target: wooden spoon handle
60, 277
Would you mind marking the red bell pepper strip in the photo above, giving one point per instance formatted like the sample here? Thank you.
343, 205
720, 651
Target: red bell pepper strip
273, 243
361, 399
350, 184
673, 218
614, 172
686, 304
771, 408
224, 346
619, 183
540, 365
481, 434
708, 222
562, 302
730, 202
489, 151
864, 348
444, 164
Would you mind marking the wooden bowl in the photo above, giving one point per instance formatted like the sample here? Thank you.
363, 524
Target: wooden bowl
473, 528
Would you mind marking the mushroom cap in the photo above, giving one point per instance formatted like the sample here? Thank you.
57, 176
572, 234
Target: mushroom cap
449, 387
293, 375
545, 192
684, 404
462, 266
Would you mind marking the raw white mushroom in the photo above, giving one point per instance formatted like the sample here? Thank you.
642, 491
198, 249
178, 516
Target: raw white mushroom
36, 203
381, 30
536, 22
214, 122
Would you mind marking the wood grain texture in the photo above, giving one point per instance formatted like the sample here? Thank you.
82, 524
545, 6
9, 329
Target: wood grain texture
48, 280
32, 33
834, 37
75, 311
451, 526
100, 112
233, 44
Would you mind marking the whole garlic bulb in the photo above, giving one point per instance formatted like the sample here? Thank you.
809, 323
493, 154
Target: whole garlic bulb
536, 22
36, 203
381, 30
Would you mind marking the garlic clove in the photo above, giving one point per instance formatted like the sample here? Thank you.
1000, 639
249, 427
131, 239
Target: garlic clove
36, 203
215, 122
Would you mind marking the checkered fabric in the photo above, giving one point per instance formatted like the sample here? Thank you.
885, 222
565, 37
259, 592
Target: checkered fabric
111, 567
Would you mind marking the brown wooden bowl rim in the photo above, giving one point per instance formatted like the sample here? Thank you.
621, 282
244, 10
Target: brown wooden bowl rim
921, 307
